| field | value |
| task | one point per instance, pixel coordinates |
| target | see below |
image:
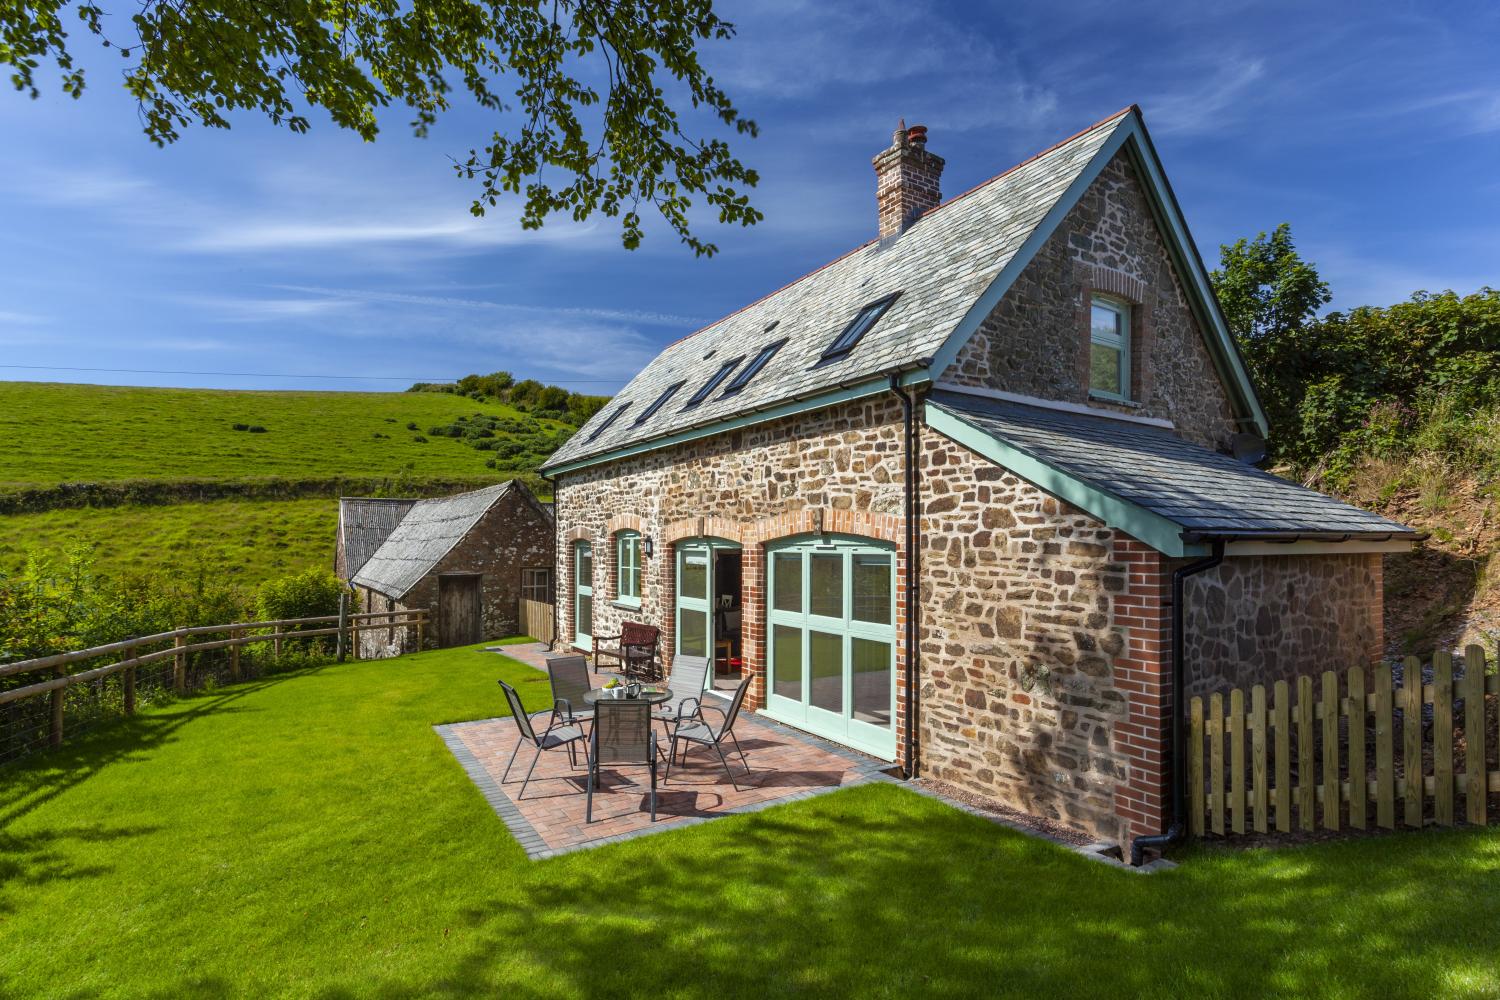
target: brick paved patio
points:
(785, 764)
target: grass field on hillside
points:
(309, 835)
(246, 541)
(85, 433)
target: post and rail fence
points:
(1368, 749)
(180, 651)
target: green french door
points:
(583, 595)
(831, 640)
(695, 594)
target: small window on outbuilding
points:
(661, 401)
(536, 585)
(628, 568)
(1109, 348)
(858, 327)
(713, 383)
(753, 368)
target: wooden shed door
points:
(459, 621)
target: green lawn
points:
(243, 541)
(309, 835)
(89, 433)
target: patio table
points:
(650, 695)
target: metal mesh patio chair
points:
(557, 735)
(686, 681)
(570, 682)
(695, 728)
(622, 736)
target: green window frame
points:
(1109, 348)
(628, 568)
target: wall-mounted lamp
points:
(647, 547)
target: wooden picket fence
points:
(538, 620)
(1345, 753)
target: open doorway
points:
(728, 619)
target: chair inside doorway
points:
(728, 649)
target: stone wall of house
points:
(1023, 636)
(837, 470)
(1036, 340)
(516, 533)
(1261, 619)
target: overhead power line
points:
(357, 378)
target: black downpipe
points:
(556, 563)
(908, 767)
(1157, 841)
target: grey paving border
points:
(520, 827)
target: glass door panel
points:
(583, 595)
(786, 662)
(871, 680)
(692, 631)
(826, 660)
(826, 579)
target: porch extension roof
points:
(1146, 480)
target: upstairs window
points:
(628, 567)
(753, 368)
(609, 420)
(1109, 349)
(661, 400)
(857, 328)
(713, 383)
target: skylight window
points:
(858, 327)
(609, 420)
(661, 400)
(753, 368)
(713, 383)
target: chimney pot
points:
(907, 180)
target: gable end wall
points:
(1035, 341)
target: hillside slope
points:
(57, 433)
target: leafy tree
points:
(1270, 297)
(594, 88)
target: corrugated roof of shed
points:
(425, 535)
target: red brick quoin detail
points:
(1143, 674)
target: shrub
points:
(240, 427)
(256, 429)
(411, 425)
(419, 439)
(310, 594)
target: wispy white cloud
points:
(455, 302)
(314, 233)
(190, 345)
(253, 309)
(1204, 101)
(13, 317)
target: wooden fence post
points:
(354, 639)
(1283, 720)
(1385, 753)
(1307, 790)
(179, 665)
(338, 641)
(1358, 713)
(59, 696)
(421, 620)
(1258, 749)
(1331, 784)
(1195, 766)
(1476, 769)
(1411, 747)
(1442, 738)
(276, 643)
(129, 682)
(234, 655)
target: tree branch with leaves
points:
(595, 93)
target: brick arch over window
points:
(624, 522)
(824, 520)
(702, 527)
(579, 534)
(1136, 293)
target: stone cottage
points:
(935, 496)
(466, 559)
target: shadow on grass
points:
(867, 894)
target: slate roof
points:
(941, 266)
(1206, 493)
(425, 535)
(364, 523)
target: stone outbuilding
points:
(364, 522)
(935, 498)
(466, 559)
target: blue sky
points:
(1373, 129)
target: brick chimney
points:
(906, 180)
